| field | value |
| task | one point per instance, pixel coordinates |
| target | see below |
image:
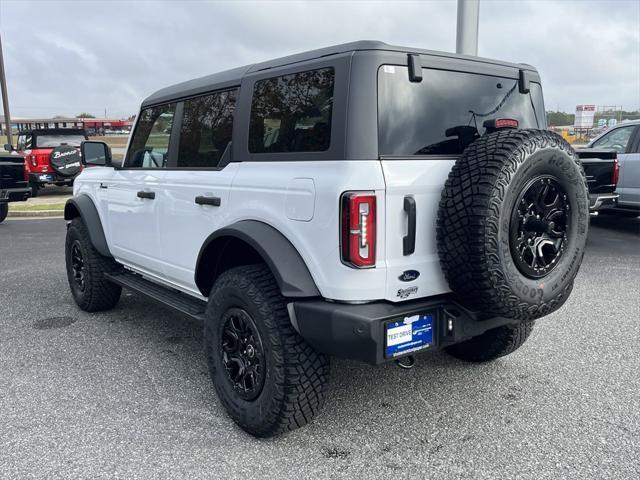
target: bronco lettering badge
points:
(409, 275)
(405, 292)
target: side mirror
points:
(8, 147)
(96, 154)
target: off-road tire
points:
(98, 293)
(35, 189)
(296, 375)
(475, 211)
(4, 211)
(492, 344)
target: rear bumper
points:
(358, 331)
(14, 194)
(602, 201)
(52, 177)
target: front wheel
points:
(4, 211)
(269, 379)
(91, 291)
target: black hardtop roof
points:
(230, 78)
(53, 131)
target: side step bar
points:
(179, 301)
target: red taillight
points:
(358, 229)
(616, 172)
(506, 123)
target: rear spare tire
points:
(65, 160)
(512, 224)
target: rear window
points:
(445, 112)
(292, 113)
(45, 141)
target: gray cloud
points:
(65, 57)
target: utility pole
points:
(5, 98)
(467, 32)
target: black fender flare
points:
(82, 206)
(282, 258)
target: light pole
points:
(467, 32)
(5, 98)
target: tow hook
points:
(407, 362)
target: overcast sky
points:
(63, 58)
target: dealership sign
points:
(584, 116)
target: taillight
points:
(616, 172)
(358, 225)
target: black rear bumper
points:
(14, 194)
(53, 178)
(358, 331)
(602, 201)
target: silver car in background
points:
(624, 138)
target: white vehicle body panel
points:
(261, 191)
(424, 180)
(184, 225)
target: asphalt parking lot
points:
(126, 394)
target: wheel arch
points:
(251, 241)
(83, 207)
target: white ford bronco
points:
(361, 201)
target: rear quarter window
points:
(292, 113)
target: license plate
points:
(409, 335)
(46, 178)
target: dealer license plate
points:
(409, 335)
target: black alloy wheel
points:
(539, 226)
(77, 266)
(242, 353)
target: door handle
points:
(409, 241)
(102, 185)
(213, 201)
(145, 194)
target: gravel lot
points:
(126, 394)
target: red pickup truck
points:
(52, 156)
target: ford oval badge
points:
(409, 275)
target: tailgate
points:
(12, 172)
(599, 167)
(423, 180)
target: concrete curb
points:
(36, 213)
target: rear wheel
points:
(492, 344)
(85, 271)
(267, 377)
(4, 211)
(34, 189)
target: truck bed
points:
(13, 186)
(600, 168)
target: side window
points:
(292, 113)
(150, 143)
(616, 139)
(206, 129)
(24, 142)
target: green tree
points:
(556, 119)
(85, 115)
